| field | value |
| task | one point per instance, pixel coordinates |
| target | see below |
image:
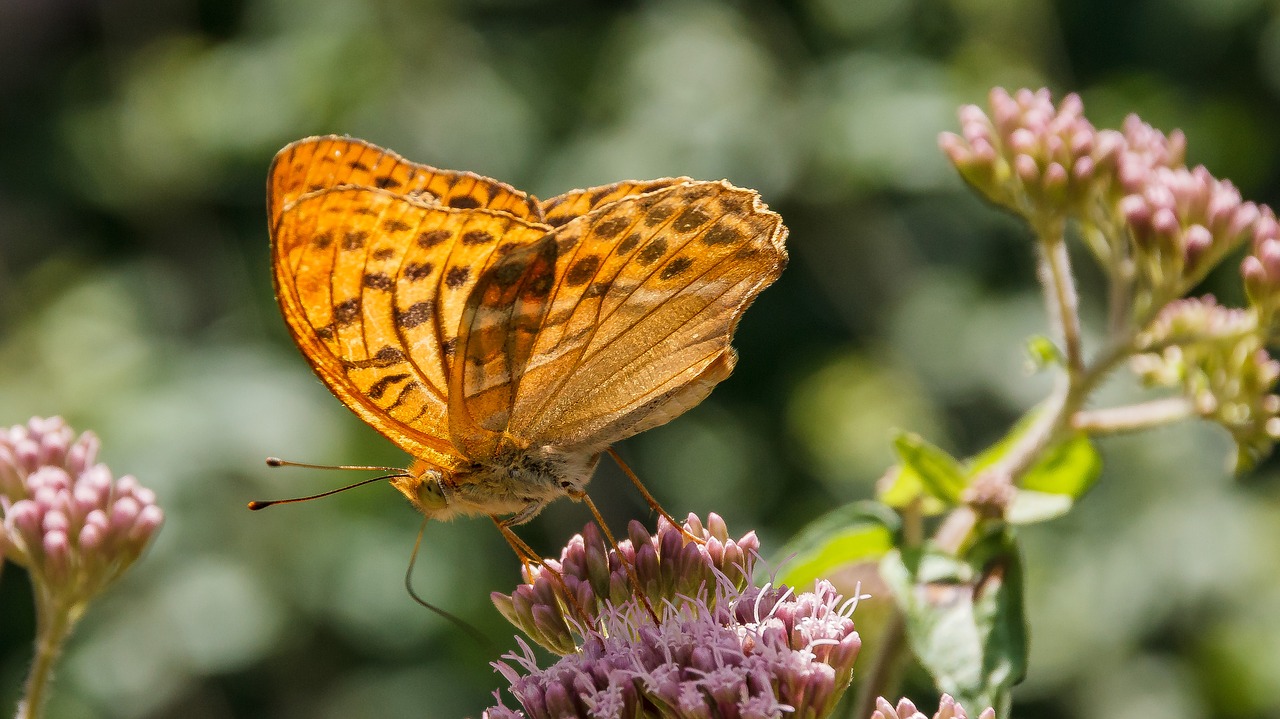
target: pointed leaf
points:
(941, 475)
(901, 486)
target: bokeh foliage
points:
(135, 300)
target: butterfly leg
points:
(531, 509)
(653, 503)
(530, 559)
(631, 572)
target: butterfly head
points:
(424, 486)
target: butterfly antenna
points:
(653, 503)
(257, 504)
(627, 566)
(475, 633)
(277, 462)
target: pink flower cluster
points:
(1036, 159)
(1157, 227)
(65, 518)
(1129, 189)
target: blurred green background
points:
(135, 300)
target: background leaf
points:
(965, 619)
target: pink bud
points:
(144, 495)
(56, 548)
(91, 537)
(1023, 141)
(123, 513)
(55, 521)
(83, 453)
(1082, 170)
(1055, 179)
(1255, 277)
(26, 517)
(1165, 222)
(149, 520)
(28, 453)
(1196, 242)
(1026, 169)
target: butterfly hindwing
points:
(637, 327)
(560, 209)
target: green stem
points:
(54, 622)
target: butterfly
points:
(502, 341)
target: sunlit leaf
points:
(1029, 506)
(902, 486)
(940, 474)
(1070, 468)
(854, 533)
(1043, 352)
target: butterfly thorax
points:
(515, 482)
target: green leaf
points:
(854, 533)
(940, 474)
(964, 617)
(997, 451)
(1044, 353)
(1069, 468)
(902, 486)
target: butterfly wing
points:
(505, 313)
(320, 163)
(636, 327)
(372, 284)
(560, 209)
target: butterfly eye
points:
(431, 492)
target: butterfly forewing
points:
(321, 163)
(649, 289)
(503, 316)
(373, 285)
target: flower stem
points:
(54, 622)
(1133, 417)
(1060, 291)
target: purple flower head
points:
(591, 577)
(947, 709)
(722, 647)
(65, 518)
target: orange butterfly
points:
(503, 341)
